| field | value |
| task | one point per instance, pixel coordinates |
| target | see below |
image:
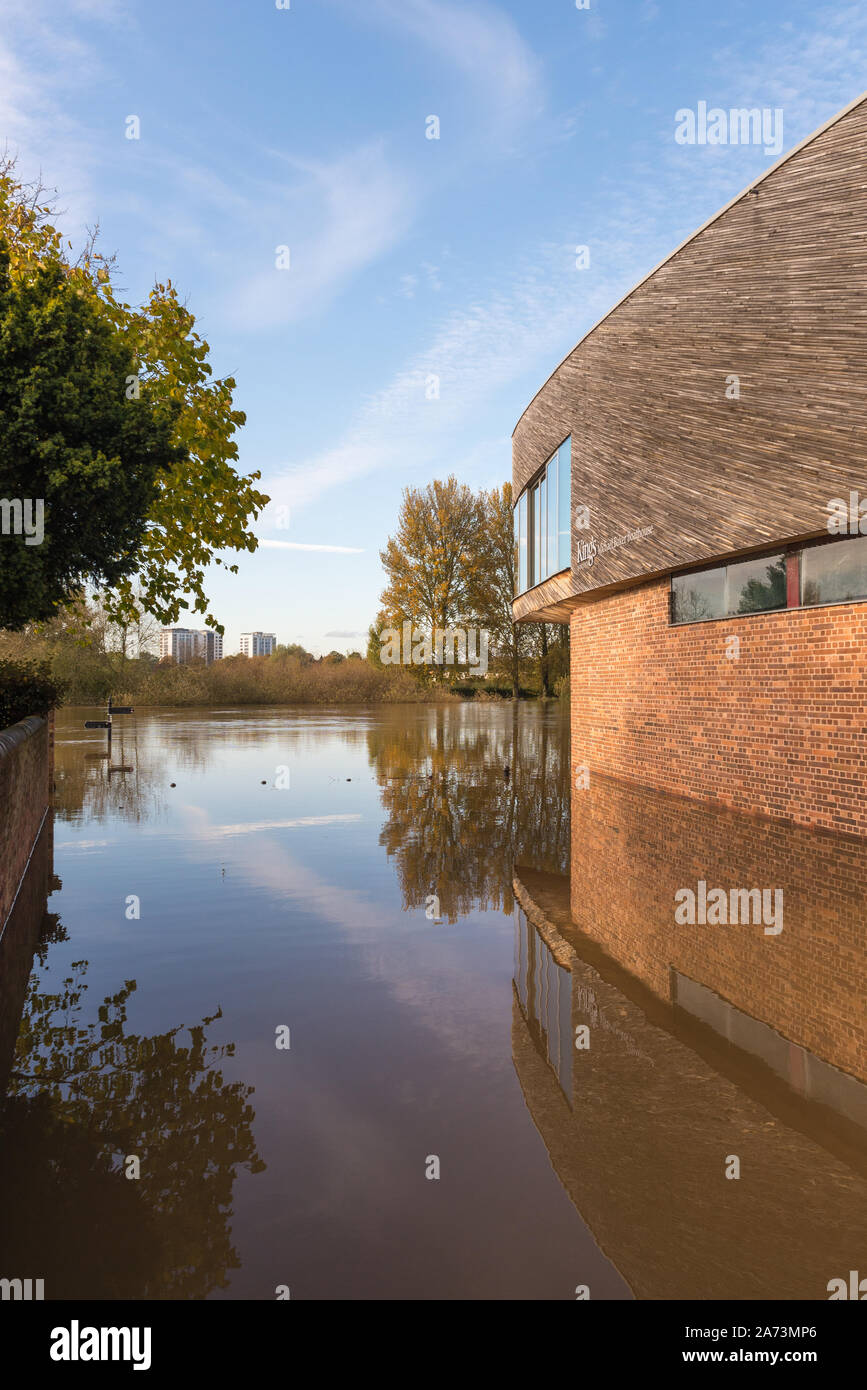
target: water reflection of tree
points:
(456, 824)
(82, 1096)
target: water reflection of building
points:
(544, 989)
(634, 849)
(705, 1043)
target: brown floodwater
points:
(375, 1003)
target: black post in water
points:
(106, 723)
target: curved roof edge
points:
(692, 236)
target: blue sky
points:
(305, 127)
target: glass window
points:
(516, 557)
(537, 551)
(750, 586)
(552, 516)
(756, 586)
(834, 573)
(522, 553)
(543, 523)
(564, 504)
(543, 528)
(695, 597)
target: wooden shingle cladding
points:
(773, 291)
(551, 600)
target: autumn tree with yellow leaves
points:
(433, 558)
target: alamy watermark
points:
(847, 517)
(77, 1343)
(739, 126)
(25, 1290)
(717, 908)
(449, 646)
(23, 516)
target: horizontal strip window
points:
(825, 572)
(543, 522)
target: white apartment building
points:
(257, 643)
(189, 644)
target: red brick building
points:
(691, 497)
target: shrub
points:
(275, 680)
(27, 687)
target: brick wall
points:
(781, 730)
(25, 789)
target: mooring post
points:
(106, 723)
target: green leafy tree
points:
(198, 504)
(84, 460)
(202, 504)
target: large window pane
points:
(537, 550)
(564, 505)
(552, 516)
(543, 529)
(834, 573)
(756, 586)
(522, 554)
(516, 561)
(695, 597)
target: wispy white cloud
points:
(803, 71)
(421, 417)
(297, 545)
(224, 832)
(484, 44)
(336, 218)
(498, 339)
(45, 52)
(810, 73)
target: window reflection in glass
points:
(543, 523)
(834, 573)
(696, 597)
(542, 551)
(757, 586)
(522, 554)
(564, 533)
(552, 515)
